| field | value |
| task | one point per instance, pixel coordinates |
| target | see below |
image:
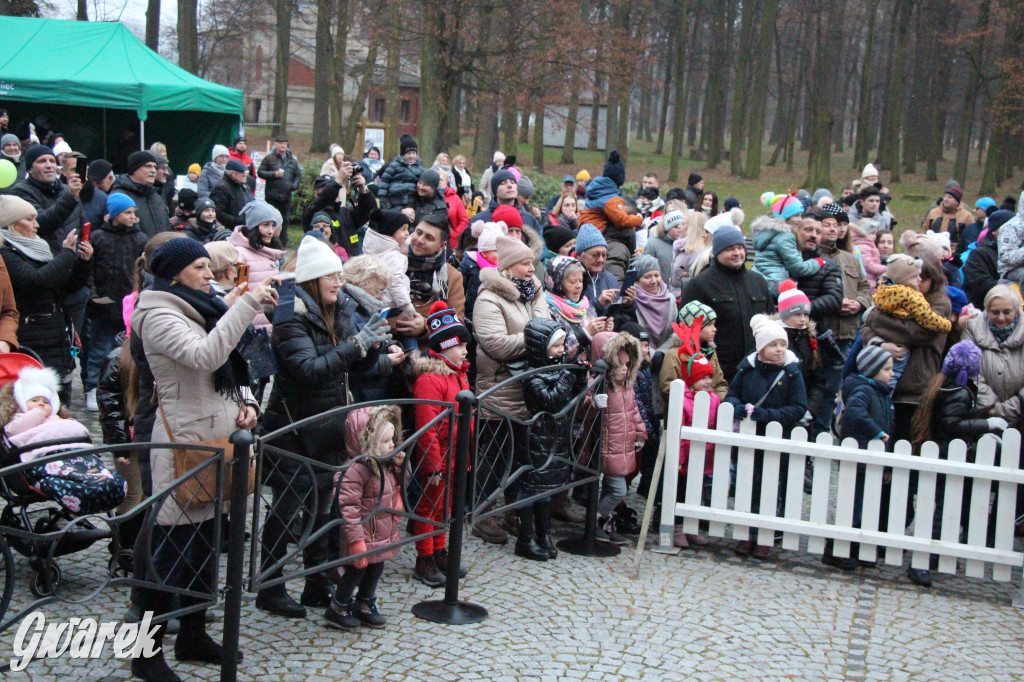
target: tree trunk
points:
(679, 105)
(667, 87)
(819, 161)
(524, 126)
(283, 10)
(767, 11)
(509, 127)
(739, 93)
(862, 145)
(485, 141)
(83, 11)
(611, 128)
(976, 53)
(595, 112)
(538, 135)
(339, 72)
(888, 147)
(392, 106)
(188, 36)
(624, 128)
(569, 145)
(153, 25)
(323, 75)
(992, 174)
(348, 139)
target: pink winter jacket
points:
(621, 424)
(30, 427)
(869, 255)
(262, 263)
(684, 445)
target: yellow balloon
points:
(8, 173)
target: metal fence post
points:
(450, 610)
(242, 442)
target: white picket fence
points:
(830, 518)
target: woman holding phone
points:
(318, 351)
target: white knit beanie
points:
(34, 382)
(767, 330)
(218, 150)
(315, 259)
(487, 235)
(869, 171)
(13, 209)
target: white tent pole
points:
(142, 134)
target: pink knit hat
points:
(792, 301)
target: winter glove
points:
(749, 409)
(820, 261)
(997, 424)
(359, 548)
(373, 333)
(601, 400)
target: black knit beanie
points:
(176, 255)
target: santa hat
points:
(792, 301)
(35, 382)
(444, 328)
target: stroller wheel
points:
(45, 579)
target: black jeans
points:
(183, 556)
(285, 207)
(291, 507)
(364, 578)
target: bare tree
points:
(188, 35)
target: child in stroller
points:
(31, 413)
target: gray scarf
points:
(35, 248)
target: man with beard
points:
(140, 184)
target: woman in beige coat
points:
(509, 297)
(189, 337)
(999, 334)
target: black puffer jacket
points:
(736, 295)
(58, 211)
(312, 378)
(116, 248)
(981, 271)
(38, 288)
(786, 399)
(398, 183)
(150, 207)
(110, 398)
(824, 288)
(280, 188)
(425, 207)
(229, 198)
(804, 345)
(956, 415)
(345, 220)
(545, 395)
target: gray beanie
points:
(725, 238)
(644, 264)
(871, 360)
(258, 212)
(526, 189)
(9, 138)
(431, 178)
(819, 194)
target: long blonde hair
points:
(695, 221)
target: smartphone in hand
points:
(241, 274)
(628, 281)
(83, 235)
(285, 309)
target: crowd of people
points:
(412, 281)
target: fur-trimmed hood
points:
(606, 346)
(363, 428)
(492, 280)
(425, 363)
(8, 407)
(533, 239)
(765, 223)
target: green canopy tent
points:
(109, 93)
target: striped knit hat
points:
(792, 301)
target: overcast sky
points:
(131, 12)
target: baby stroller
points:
(28, 510)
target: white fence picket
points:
(771, 465)
(695, 467)
(670, 474)
(952, 503)
(845, 490)
(871, 501)
(721, 477)
(820, 490)
(898, 493)
(924, 508)
(978, 521)
(1006, 500)
(795, 489)
(744, 480)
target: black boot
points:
(427, 572)
(542, 522)
(526, 544)
(366, 611)
(441, 559)
(849, 563)
(194, 644)
(317, 591)
(155, 668)
(277, 601)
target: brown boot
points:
(489, 530)
(561, 509)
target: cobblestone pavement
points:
(704, 614)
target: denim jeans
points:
(101, 334)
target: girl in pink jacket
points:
(369, 495)
(622, 428)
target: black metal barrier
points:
(503, 451)
(41, 530)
